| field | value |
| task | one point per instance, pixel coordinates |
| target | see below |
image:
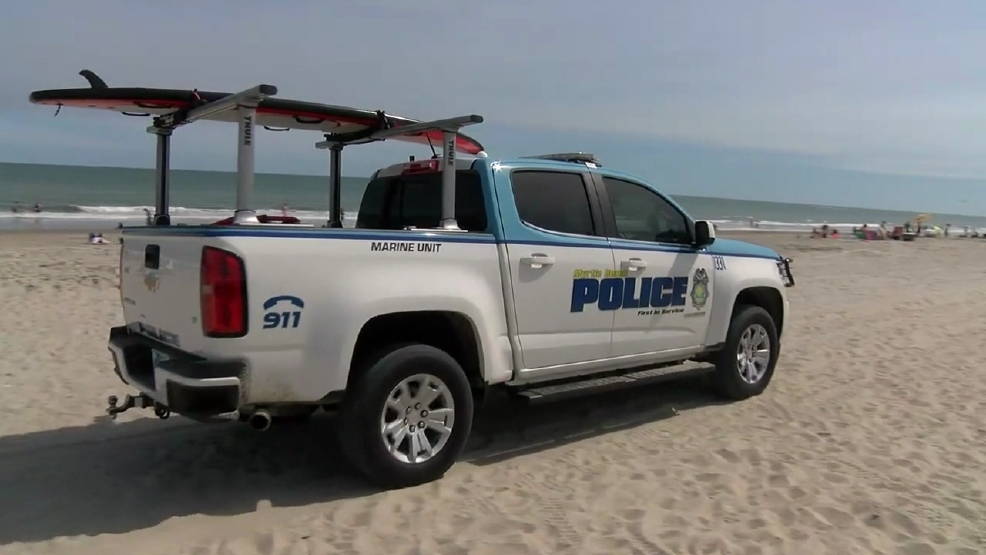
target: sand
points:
(869, 440)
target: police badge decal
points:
(700, 289)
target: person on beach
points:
(148, 218)
(37, 207)
(284, 209)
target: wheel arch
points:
(453, 332)
(767, 298)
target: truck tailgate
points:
(159, 283)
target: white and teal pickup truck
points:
(566, 277)
(547, 276)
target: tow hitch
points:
(139, 401)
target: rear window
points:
(415, 200)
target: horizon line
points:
(368, 177)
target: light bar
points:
(248, 98)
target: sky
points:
(839, 102)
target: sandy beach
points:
(870, 440)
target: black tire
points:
(361, 409)
(727, 380)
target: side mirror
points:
(705, 233)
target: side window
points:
(643, 215)
(556, 201)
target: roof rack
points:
(342, 126)
(573, 157)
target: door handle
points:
(633, 264)
(538, 260)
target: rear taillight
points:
(223, 294)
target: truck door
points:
(557, 256)
(668, 284)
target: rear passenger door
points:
(557, 253)
(668, 283)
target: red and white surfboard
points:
(275, 113)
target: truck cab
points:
(599, 269)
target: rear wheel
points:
(407, 417)
(746, 364)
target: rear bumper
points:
(183, 382)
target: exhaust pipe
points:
(260, 420)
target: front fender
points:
(741, 274)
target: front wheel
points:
(746, 364)
(407, 416)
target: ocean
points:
(83, 197)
